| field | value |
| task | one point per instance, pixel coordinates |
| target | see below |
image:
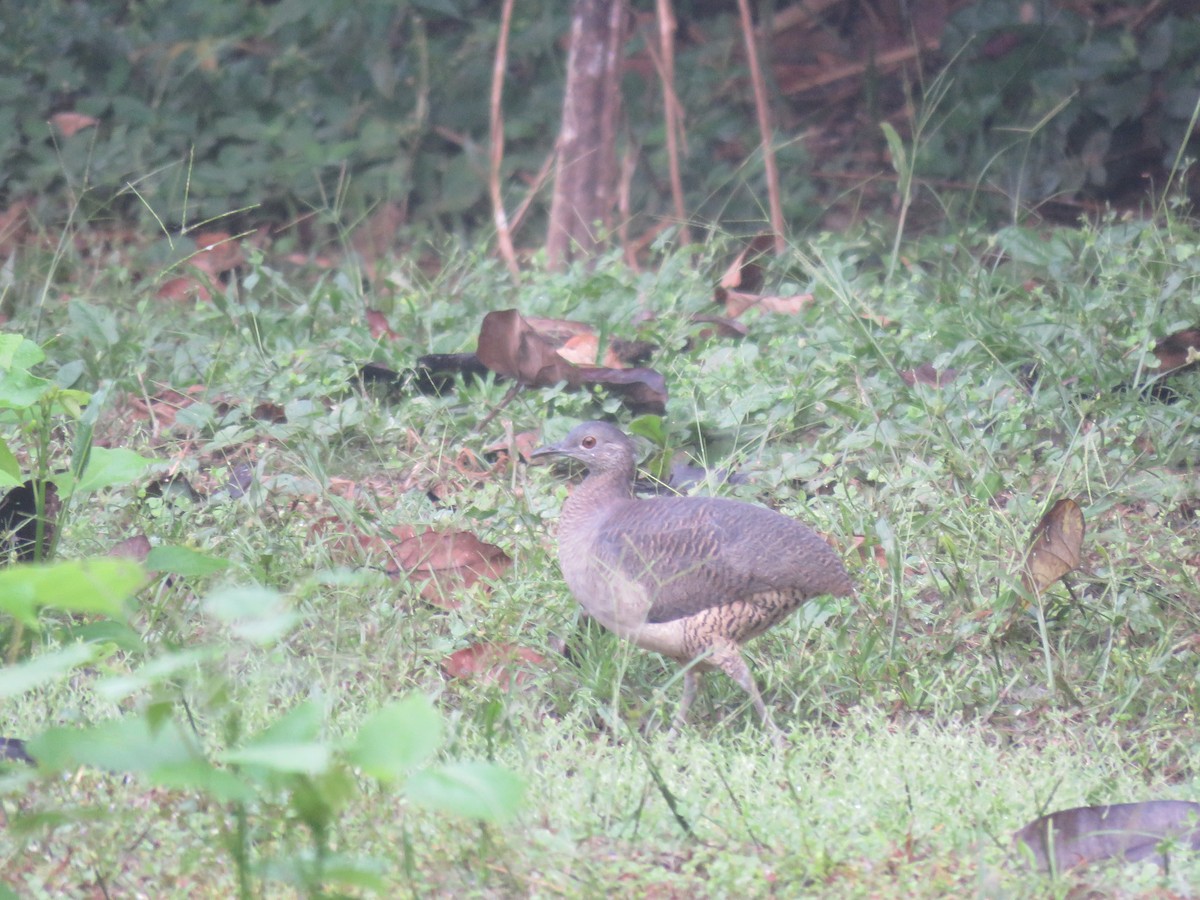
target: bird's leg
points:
(691, 682)
(728, 659)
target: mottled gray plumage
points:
(692, 578)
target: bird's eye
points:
(588, 442)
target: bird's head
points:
(598, 445)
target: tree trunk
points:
(585, 184)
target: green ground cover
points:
(930, 716)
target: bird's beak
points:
(550, 450)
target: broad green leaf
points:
(98, 322)
(302, 723)
(71, 402)
(318, 798)
(126, 744)
(69, 374)
(16, 352)
(46, 667)
(651, 428)
(307, 758)
(100, 585)
(109, 466)
(10, 469)
(20, 390)
(200, 775)
(255, 614)
(107, 631)
(118, 687)
(184, 561)
(336, 869)
(289, 745)
(477, 790)
(397, 738)
(361, 872)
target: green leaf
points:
(289, 745)
(302, 723)
(107, 631)
(46, 667)
(397, 738)
(304, 758)
(118, 687)
(100, 585)
(69, 374)
(895, 148)
(127, 744)
(20, 390)
(477, 790)
(10, 469)
(360, 872)
(201, 775)
(16, 352)
(317, 799)
(110, 466)
(69, 401)
(255, 614)
(651, 428)
(184, 561)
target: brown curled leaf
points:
(1055, 547)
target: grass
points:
(930, 716)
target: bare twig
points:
(889, 59)
(534, 186)
(762, 107)
(624, 205)
(672, 113)
(496, 151)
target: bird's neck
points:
(591, 497)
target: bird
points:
(691, 578)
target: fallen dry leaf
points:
(1179, 351)
(584, 349)
(718, 326)
(558, 331)
(509, 346)
(217, 252)
(379, 326)
(492, 663)
(162, 408)
(1055, 547)
(345, 544)
(523, 443)
(737, 302)
(446, 562)
(136, 548)
(745, 272)
(71, 123)
(927, 374)
(12, 225)
(182, 287)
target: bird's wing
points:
(690, 555)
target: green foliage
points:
(303, 731)
(90, 585)
(208, 108)
(288, 769)
(1046, 102)
(270, 111)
